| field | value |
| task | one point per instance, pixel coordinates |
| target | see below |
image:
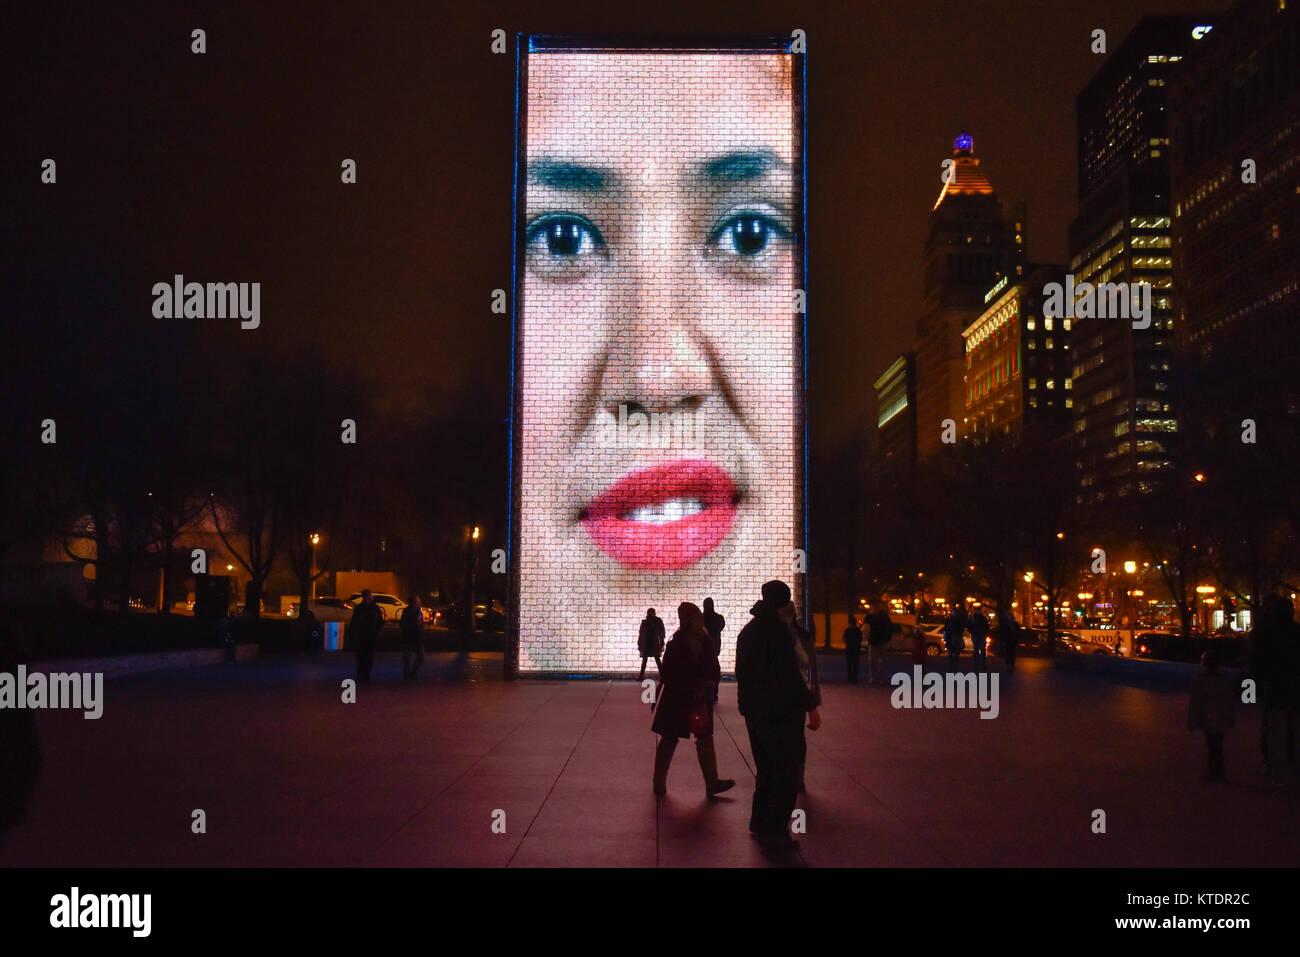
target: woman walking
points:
(691, 675)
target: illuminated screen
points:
(659, 414)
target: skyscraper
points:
(1235, 116)
(970, 244)
(1123, 409)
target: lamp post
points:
(315, 540)
(470, 538)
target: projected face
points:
(660, 351)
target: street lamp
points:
(470, 539)
(315, 540)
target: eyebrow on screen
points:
(741, 166)
(561, 174)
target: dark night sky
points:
(226, 166)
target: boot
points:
(709, 765)
(663, 758)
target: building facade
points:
(971, 243)
(896, 421)
(1124, 416)
(1018, 368)
(1235, 176)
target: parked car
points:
(390, 606)
(932, 635)
(453, 616)
(327, 608)
(1084, 644)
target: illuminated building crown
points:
(965, 178)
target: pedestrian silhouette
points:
(714, 623)
(952, 633)
(979, 635)
(773, 699)
(1008, 636)
(685, 706)
(21, 759)
(852, 649)
(881, 630)
(412, 627)
(805, 650)
(1212, 709)
(364, 628)
(1275, 666)
(650, 641)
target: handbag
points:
(699, 719)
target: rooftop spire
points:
(963, 176)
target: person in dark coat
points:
(412, 626)
(773, 699)
(650, 641)
(685, 705)
(1212, 709)
(21, 757)
(805, 649)
(714, 623)
(1008, 636)
(364, 628)
(979, 636)
(1275, 666)
(881, 630)
(952, 633)
(852, 648)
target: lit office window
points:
(1047, 323)
(1051, 383)
(1033, 383)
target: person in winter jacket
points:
(1212, 710)
(953, 630)
(685, 704)
(364, 628)
(774, 700)
(650, 641)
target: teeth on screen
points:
(673, 510)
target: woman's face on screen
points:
(660, 364)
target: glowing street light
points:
(1130, 567)
(315, 540)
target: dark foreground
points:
(414, 774)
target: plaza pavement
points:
(412, 774)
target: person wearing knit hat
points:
(773, 699)
(685, 704)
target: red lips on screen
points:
(663, 518)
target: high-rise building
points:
(971, 243)
(1235, 117)
(896, 421)
(1123, 410)
(1018, 365)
